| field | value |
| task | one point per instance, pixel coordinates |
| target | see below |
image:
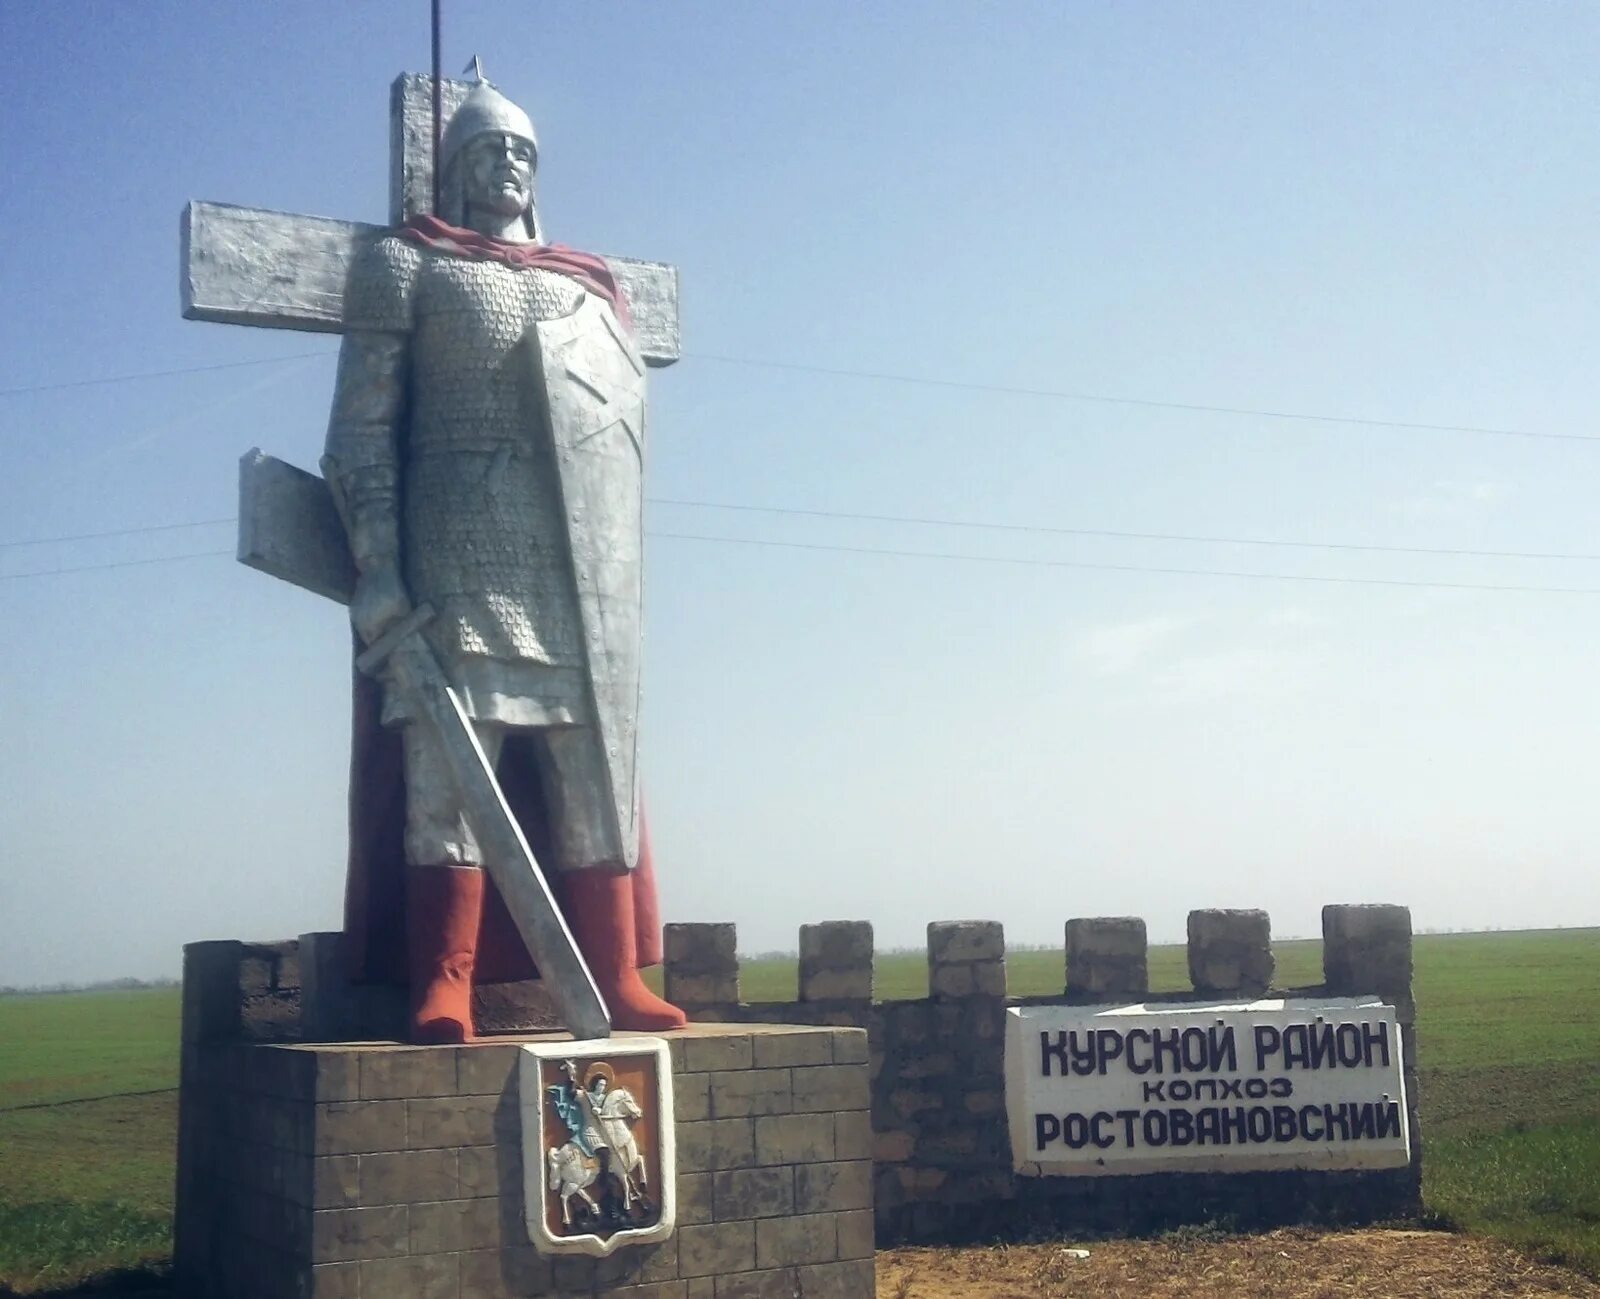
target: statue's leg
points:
(444, 892)
(591, 880)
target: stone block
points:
(695, 1204)
(335, 1281)
(651, 1290)
(697, 990)
(359, 1127)
(1230, 950)
(965, 940)
(831, 1087)
(715, 1144)
(717, 1248)
(485, 1069)
(408, 1072)
(737, 1093)
(348, 1235)
(833, 1187)
(854, 1279)
(857, 1234)
(701, 948)
(510, 1273)
(783, 1050)
(490, 1170)
(330, 1005)
(338, 1074)
(1367, 949)
(335, 1182)
(796, 1239)
(768, 1283)
(428, 1276)
(451, 1121)
(952, 981)
(852, 1134)
(408, 1176)
(850, 1046)
(793, 1138)
(211, 998)
(753, 1193)
(450, 1226)
(691, 1096)
(836, 961)
(627, 1271)
(893, 1147)
(717, 1052)
(1107, 956)
(704, 1287)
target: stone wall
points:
(940, 1143)
(370, 1171)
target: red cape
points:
(589, 270)
(375, 895)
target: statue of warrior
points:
(486, 448)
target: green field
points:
(1509, 1031)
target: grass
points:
(86, 1183)
(1510, 1097)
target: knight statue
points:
(486, 449)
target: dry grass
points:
(1290, 1264)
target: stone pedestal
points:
(375, 1171)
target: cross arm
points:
(251, 266)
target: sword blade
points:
(507, 857)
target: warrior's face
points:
(498, 173)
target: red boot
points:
(443, 907)
(598, 905)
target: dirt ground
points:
(1291, 1264)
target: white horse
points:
(570, 1172)
(614, 1115)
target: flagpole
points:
(438, 105)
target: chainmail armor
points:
(482, 536)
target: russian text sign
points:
(1169, 1087)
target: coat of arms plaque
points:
(599, 1162)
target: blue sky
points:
(1347, 209)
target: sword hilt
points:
(377, 654)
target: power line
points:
(950, 556)
(883, 376)
(115, 532)
(937, 522)
(1146, 403)
(156, 374)
(1124, 536)
(1127, 568)
(121, 563)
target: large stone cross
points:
(250, 266)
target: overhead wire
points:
(949, 556)
(156, 374)
(942, 522)
(885, 376)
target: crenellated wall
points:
(942, 1165)
(941, 1146)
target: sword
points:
(510, 862)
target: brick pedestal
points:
(361, 1171)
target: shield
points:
(592, 378)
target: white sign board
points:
(1168, 1087)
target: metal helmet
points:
(483, 111)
